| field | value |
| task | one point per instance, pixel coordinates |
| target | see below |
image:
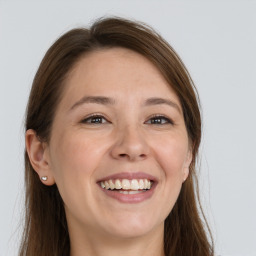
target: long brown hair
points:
(46, 232)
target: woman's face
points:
(119, 126)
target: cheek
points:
(72, 154)
(73, 165)
(172, 156)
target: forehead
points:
(115, 72)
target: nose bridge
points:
(130, 143)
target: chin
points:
(134, 227)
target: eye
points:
(159, 120)
(94, 119)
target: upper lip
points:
(129, 176)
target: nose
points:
(130, 145)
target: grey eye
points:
(159, 120)
(96, 119)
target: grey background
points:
(215, 39)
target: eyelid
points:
(169, 120)
(94, 115)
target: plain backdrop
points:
(215, 39)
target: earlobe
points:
(185, 174)
(187, 165)
(36, 150)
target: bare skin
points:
(137, 129)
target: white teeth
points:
(102, 184)
(118, 184)
(107, 185)
(130, 192)
(147, 182)
(112, 185)
(141, 184)
(126, 184)
(134, 185)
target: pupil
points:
(96, 120)
(156, 121)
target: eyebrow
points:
(94, 99)
(110, 101)
(160, 101)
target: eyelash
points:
(158, 117)
(100, 116)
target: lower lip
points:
(130, 198)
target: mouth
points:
(128, 187)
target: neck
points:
(98, 244)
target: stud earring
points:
(44, 178)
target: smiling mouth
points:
(125, 186)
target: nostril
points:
(131, 156)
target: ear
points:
(37, 153)
(187, 164)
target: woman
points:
(112, 135)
